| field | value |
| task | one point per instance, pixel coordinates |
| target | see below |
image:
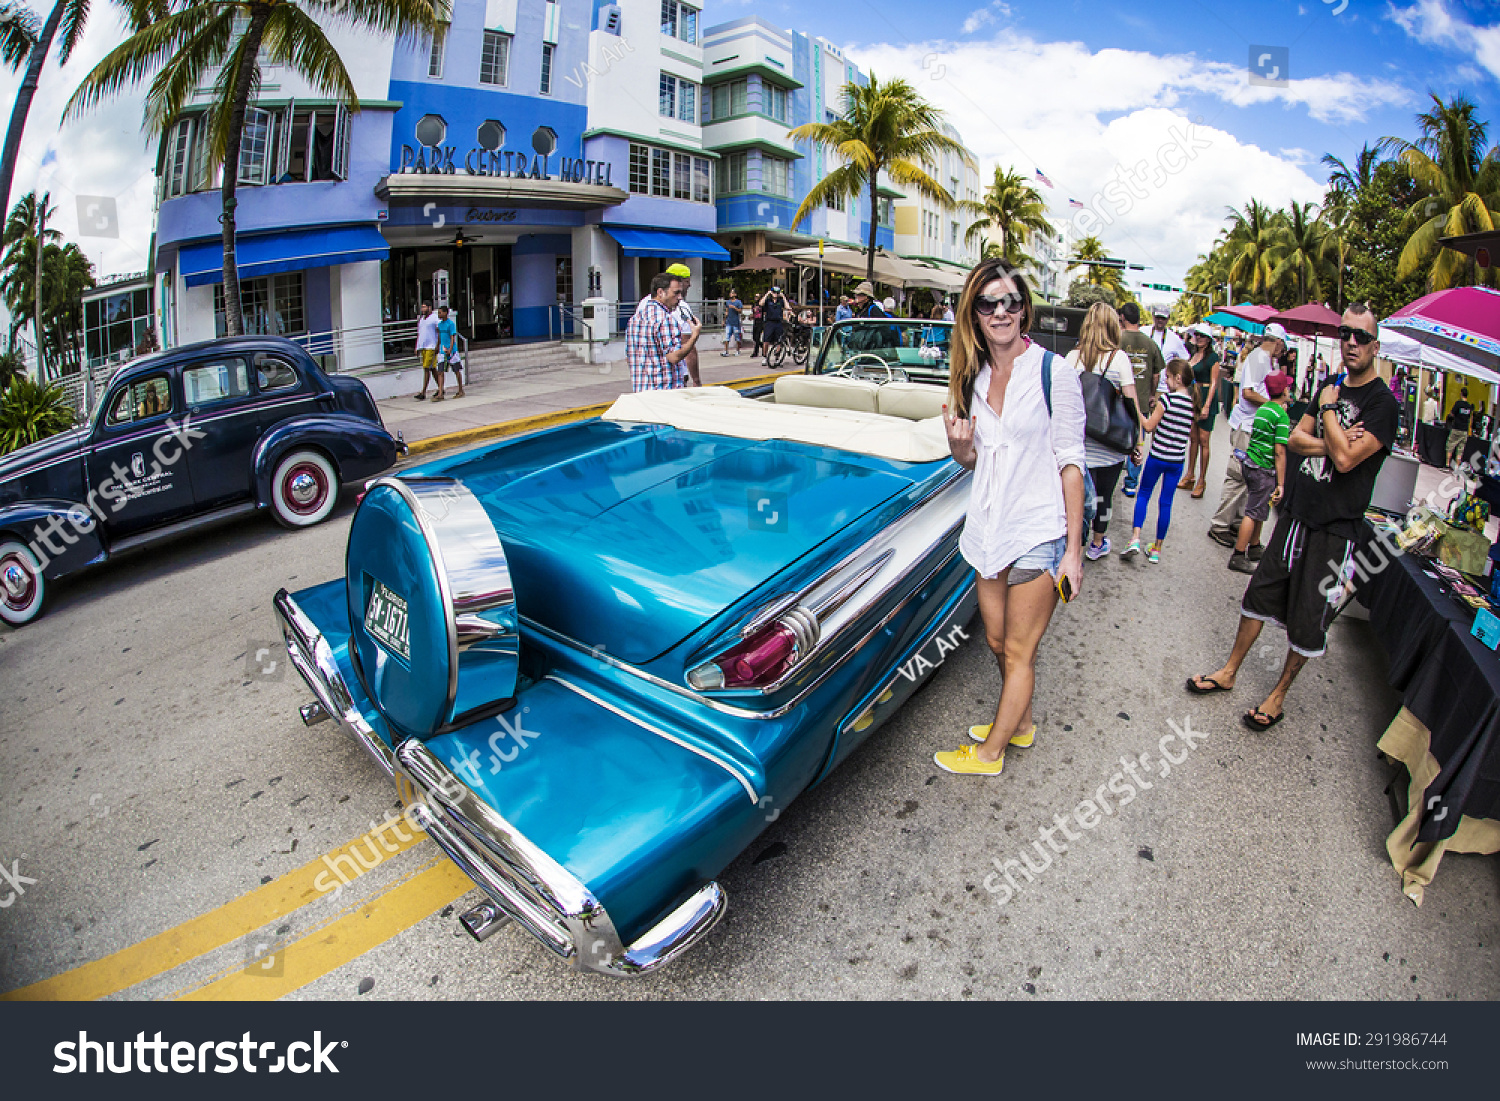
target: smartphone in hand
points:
(1065, 588)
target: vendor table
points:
(1432, 443)
(1447, 732)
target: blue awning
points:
(292, 250)
(667, 244)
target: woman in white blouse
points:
(1024, 531)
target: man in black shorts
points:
(1306, 575)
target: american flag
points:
(1075, 203)
(1042, 176)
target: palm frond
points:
(19, 31)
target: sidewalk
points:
(534, 396)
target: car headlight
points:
(435, 630)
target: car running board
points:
(208, 519)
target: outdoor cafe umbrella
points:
(764, 262)
(1462, 320)
(1230, 321)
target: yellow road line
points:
(520, 425)
(235, 919)
(306, 960)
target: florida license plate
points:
(385, 620)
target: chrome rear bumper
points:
(539, 894)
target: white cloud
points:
(1433, 24)
(1085, 117)
(983, 17)
(1297, 156)
(101, 154)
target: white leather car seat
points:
(915, 401)
(828, 392)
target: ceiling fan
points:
(459, 240)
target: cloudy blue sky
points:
(1145, 111)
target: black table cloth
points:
(1447, 678)
(1432, 444)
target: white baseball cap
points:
(1275, 331)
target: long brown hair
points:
(968, 350)
(1100, 336)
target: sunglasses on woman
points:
(1359, 336)
(985, 304)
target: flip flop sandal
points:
(1256, 719)
(1200, 690)
(1198, 490)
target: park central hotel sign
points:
(489, 157)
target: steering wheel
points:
(855, 367)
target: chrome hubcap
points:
(17, 581)
(303, 488)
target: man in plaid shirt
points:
(655, 346)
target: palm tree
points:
(1091, 248)
(1013, 209)
(22, 263)
(20, 40)
(885, 128)
(1250, 246)
(1300, 251)
(1450, 162)
(222, 45)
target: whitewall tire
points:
(23, 590)
(304, 489)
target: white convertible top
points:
(721, 411)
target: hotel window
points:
(836, 202)
(640, 170)
(565, 279)
(547, 50)
(256, 146)
(494, 62)
(885, 213)
(682, 176)
(677, 98)
(774, 99)
(775, 175)
(953, 233)
(733, 172)
(679, 21)
(661, 172)
(702, 190)
(728, 99)
(177, 170)
(435, 54)
(272, 305)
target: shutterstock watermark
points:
(122, 487)
(1127, 186)
(1133, 778)
(1270, 66)
(98, 216)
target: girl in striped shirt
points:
(1171, 426)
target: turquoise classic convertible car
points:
(598, 659)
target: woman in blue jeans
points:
(1171, 426)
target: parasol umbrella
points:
(1230, 321)
(1464, 321)
(764, 262)
(1313, 319)
(1258, 314)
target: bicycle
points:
(796, 339)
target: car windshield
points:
(882, 349)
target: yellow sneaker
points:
(1020, 741)
(965, 761)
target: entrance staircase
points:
(486, 362)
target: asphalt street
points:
(160, 790)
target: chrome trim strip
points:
(660, 733)
(538, 893)
(312, 657)
(718, 705)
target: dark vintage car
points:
(597, 660)
(192, 436)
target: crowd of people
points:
(1041, 439)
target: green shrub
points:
(30, 411)
(12, 366)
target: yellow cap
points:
(682, 271)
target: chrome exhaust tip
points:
(312, 713)
(483, 920)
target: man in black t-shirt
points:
(1460, 424)
(1306, 575)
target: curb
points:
(542, 420)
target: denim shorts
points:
(1043, 558)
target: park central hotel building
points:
(531, 153)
